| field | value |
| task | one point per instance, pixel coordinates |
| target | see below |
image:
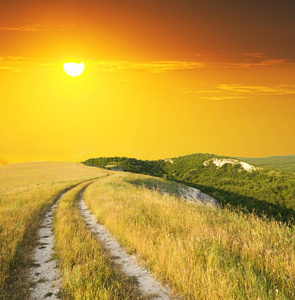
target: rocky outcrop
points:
(219, 162)
(192, 194)
(169, 160)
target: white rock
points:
(219, 162)
(192, 194)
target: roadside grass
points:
(27, 191)
(87, 270)
(158, 184)
(202, 252)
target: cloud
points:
(164, 66)
(38, 27)
(279, 90)
(236, 91)
(19, 58)
(187, 91)
(246, 64)
(17, 63)
(254, 54)
(222, 98)
(147, 66)
(152, 66)
(9, 69)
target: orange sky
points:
(162, 78)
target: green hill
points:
(267, 192)
(283, 163)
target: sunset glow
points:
(162, 79)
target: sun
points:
(74, 69)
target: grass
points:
(26, 192)
(87, 270)
(203, 253)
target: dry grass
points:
(87, 270)
(204, 253)
(26, 193)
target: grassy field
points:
(203, 253)
(26, 193)
(87, 270)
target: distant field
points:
(283, 163)
(201, 252)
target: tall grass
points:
(204, 253)
(86, 268)
(26, 193)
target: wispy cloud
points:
(164, 66)
(152, 66)
(149, 66)
(247, 64)
(19, 58)
(236, 91)
(18, 63)
(247, 54)
(187, 91)
(37, 27)
(9, 69)
(279, 90)
(222, 98)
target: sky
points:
(162, 78)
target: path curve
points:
(148, 286)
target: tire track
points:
(148, 286)
(45, 274)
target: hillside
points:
(283, 163)
(58, 219)
(267, 192)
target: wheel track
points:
(147, 284)
(45, 275)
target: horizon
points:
(161, 79)
(139, 158)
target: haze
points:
(162, 79)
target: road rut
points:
(148, 286)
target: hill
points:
(283, 163)
(182, 244)
(267, 192)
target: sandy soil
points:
(148, 286)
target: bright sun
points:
(74, 69)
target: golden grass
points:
(86, 268)
(26, 193)
(204, 253)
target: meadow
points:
(201, 252)
(204, 253)
(87, 270)
(26, 192)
